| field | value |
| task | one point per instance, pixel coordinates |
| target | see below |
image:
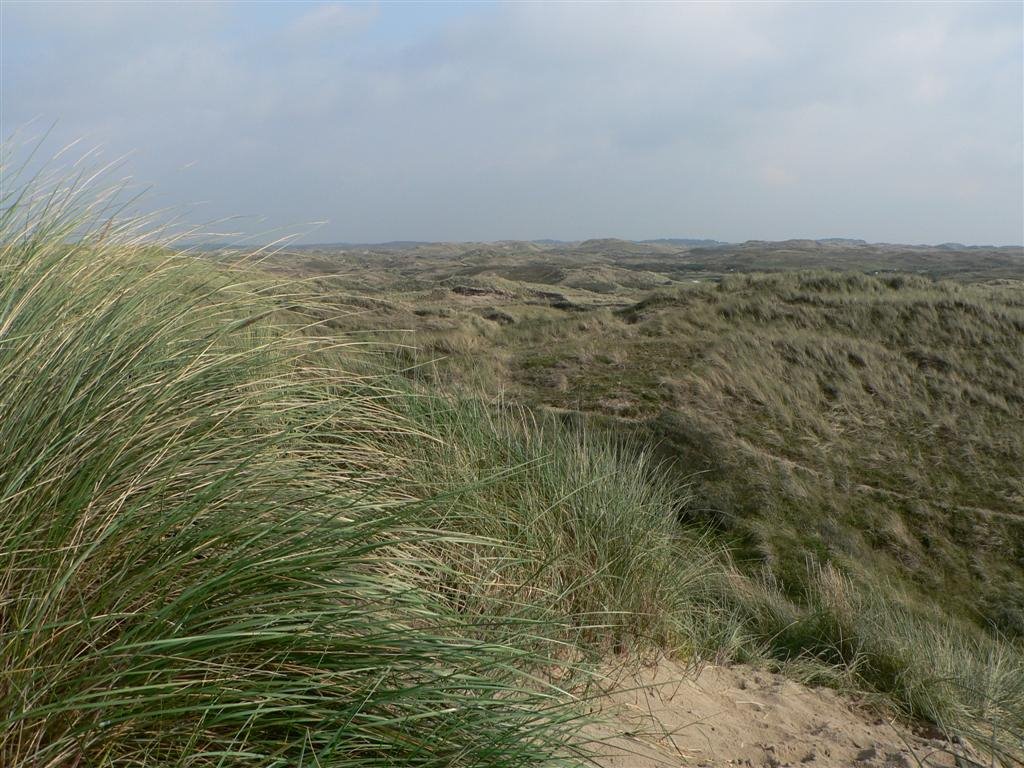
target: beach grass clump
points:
(571, 525)
(199, 562)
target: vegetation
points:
(591, 524)
(596, 526)
(853, 440)
(874, 423)
(199, 561)
(231, 535)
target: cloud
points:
(329, 21)
(889, 122)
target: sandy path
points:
(666, 715)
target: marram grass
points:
(595, 524)
(211, 553)
(198, 557)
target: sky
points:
(369, 122)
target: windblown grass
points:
(595, 524)
(572, 527)
(199, 564)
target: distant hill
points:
(751, 255)
(842, 241)
(685, 241)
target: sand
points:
(665, 714)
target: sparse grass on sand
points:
(595, 525)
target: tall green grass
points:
(199, 562)
(569, 526)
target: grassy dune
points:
(854, 442)
(230, 537)
(873, 423)
(596, 527)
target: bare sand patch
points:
(665, 714)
